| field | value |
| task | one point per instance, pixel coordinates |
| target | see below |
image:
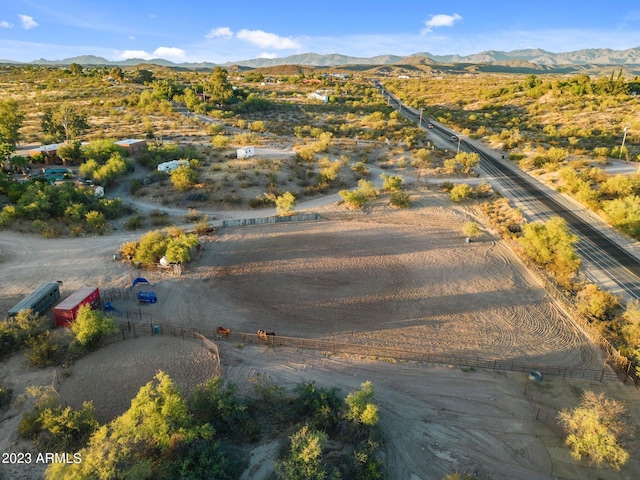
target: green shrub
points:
(45, 350)
(391, 183)
(89, 327)
(134, 223)
(400, 199)
(460, 192)
(353, 199)
(471, 230)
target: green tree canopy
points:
(391, 183)
(219, 87)
(594, 429)
(183, 178)
(10, 123)
(550, 244)
(136, 444)
(285, 203)
(305, 456)
(360, 406)
(90, 326)
(63, 123)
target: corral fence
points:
(623, 367)
(242, 222)
(548, 416)
(381, 353)
(128, 330)
(124, 314)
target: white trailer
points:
(245, 152)
(172, 165)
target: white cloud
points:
(268, 55)
(160, 52)
(224, 32)
(169, 52)
(267, 40)
(134, 54)
(5, 24)
(441, 20)
(27, 22)
(131, 37)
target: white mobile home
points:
(172, 165)
(245, 152)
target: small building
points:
(39, 300)
(66, 311)
(321, 95)
(131, 145)
(245, 152)
(49, 152)
(169, 167)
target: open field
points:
(396, 278)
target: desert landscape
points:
(396, 278)
(379, 281)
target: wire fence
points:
(128, 330)
(300, 217)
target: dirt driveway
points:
(395, 278)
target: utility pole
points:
(420, 123)
(459, 140)
(624, 137)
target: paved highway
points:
(604, 260)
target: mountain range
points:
(592, 56)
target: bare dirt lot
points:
(386, 277)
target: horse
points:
(223, 332)
(265, 335)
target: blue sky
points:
(232, 30)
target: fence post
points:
(122, 331)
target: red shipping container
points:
(65, 312)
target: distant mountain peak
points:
(592, 56)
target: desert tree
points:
(70, 151)
(551, 245)
(219, 87)
(75, 69)
(64, 123)
(391, 183)
(11, 119)
(460, 192)
(624, 214)
(594, 429)
(631, 327)
(138, 443)
(471, 230)
(285, 203)
(360, 406)
(597, 304)
(183, 178)
(304, 461)
(179, 248)
(90, 326)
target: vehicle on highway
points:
(454, 138)
(430, 125)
